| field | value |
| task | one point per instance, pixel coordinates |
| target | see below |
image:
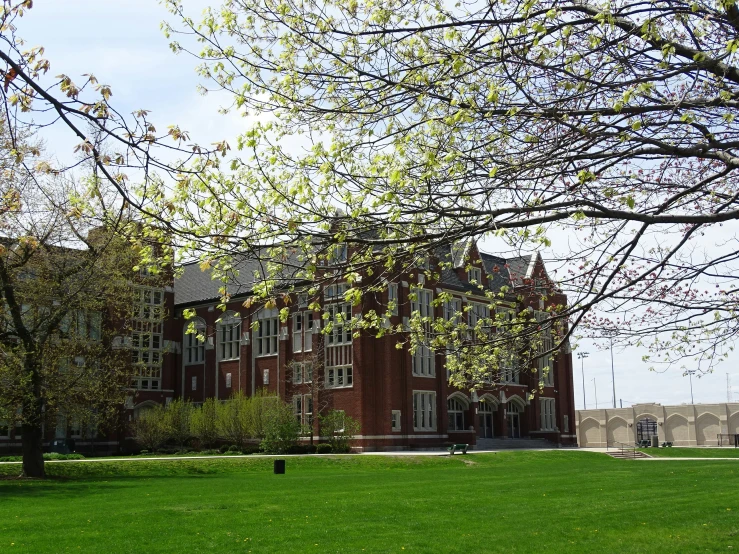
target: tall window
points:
(392, 298)
(424, 411)
(146, 338)
(267, 332)
(423, 357)
(303, 332)
(545, 362)
(298, 408)
(229, 332)
(453, 309)
(508, 371)
(338, 344)
(455, 412)
(547, 414)
(477, 313)
(194, 347)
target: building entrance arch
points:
(646, 428)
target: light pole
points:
(582, 356)
(690, 373)
(595, 388)
(610, 334)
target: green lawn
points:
(681, 452)
(505, 502)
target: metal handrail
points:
(624, 448)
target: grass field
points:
(680, 452)
(505, 502)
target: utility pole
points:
(582, 356)
(690, 373)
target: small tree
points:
(233, 419)
(339, 428)
(257, 416)
(312, 385)
(281, 430)
(178, 416)
(151, 428)
(204, 423)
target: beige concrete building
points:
(684, 425)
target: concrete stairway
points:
(628, 455)
(504, 444)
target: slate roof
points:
(194, 285)
(518, 267)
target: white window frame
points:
(307, 372)
(455, 406)
(307, 409)
(424, 410)
(395, 422)
(392, 298)
(302, 331)
(267, 334)
(229, 337)
(423, 359)
(194, 348)
(474, 274)
(338, 347)
(298, 408)
(547, 413)
(297, 373)
(478, 311)
(228, 380)
(147, 338)
(545, 361)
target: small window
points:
(395, 420)
(265, 377)
(194, 383)
(392, 298)
(474, 275)
(228, 380)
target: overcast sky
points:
(120, 42)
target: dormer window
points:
(422, 263)
(474, 275)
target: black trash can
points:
(279, 467)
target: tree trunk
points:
(33, 450)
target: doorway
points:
(513, 420)
(485, 411)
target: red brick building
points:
(401, 400)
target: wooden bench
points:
(666, 444)
(645, 443)
(461, 447)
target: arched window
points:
(194, 348)
(513, 408)
(455, 411)
(229, 330)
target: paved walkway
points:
(396, 453)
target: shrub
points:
(57, 456)
(251, 449)
(281, 428)
(233, 418)
(178, 416)
(323, 448)
(203, 423)
(340, 430)
(234, 448)
(150, 428)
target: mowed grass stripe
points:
(505, 502)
